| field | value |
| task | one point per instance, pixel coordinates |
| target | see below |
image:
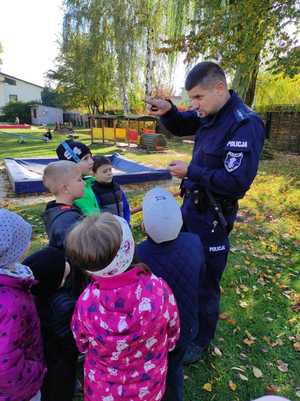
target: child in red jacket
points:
(126, 320)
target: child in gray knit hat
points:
(21, 358)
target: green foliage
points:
(272, 90)
(52, 98)
(108, 52)
(20, 109)
(242, 35)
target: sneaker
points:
(193, 354)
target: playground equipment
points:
(128, 129)
(25, 175)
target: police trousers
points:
(216, 248)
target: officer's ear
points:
(220, 87)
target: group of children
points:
(129, 311)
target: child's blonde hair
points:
(94, 242)
(57, 174)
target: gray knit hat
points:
(15, 235)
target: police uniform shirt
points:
(227, 147)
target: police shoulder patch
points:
(233, 161)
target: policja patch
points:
(233, 161)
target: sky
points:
(29, 30)
(29, 33)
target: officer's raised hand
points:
(178, 168)
(157, 106)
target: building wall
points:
(46, 115)
(24, 91)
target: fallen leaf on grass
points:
(297, 346)
(243, 304)
(232, 385)
(257, 372)
(217, 351)
(237, 368)
(271, 389)
(248, 341)
(249, 335)
(224, 316)
(185, 377)
(243, 377)
(282, 366)
(207, 387)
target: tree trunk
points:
(244, 82)
(125, 100)
(149, 64)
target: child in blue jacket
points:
(178, 258)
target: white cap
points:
(161, 215)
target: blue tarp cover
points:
(25, 175)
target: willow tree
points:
(86, 64)
(243, 35)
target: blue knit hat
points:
(15, 235)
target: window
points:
(10, 81)
(13, 98)
(34, 113)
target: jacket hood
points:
(17, 276)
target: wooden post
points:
(102, 125)
(115, 135)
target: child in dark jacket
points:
(178, 258)
(21, 355)
(63, 180)
(55, 307)
(109, 194)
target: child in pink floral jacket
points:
(126, 320)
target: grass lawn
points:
(256, 349)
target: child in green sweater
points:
(79, 153)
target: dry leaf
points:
(243, 377)
(232, 385)
(282, 366)
(207, 387)
(248, 341)
(217, 351)
(239, 369)
(185, 377)
(257, 372)
(243, 304)
(297, 346)
(249, 335)
(272, 389)
(224, 316)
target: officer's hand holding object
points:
(178, 168)
(157, 106)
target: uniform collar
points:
(228, 106)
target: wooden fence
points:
(283, 130)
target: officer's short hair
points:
(205, 74)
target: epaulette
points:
(241, 114)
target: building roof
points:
(19, 79)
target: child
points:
(79, 153)
(63, 180)
(109, 195)
(21, 358)
(126, 320)
(178, 258)
(55, 307)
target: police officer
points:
(229, 138)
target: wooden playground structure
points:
(132, 129)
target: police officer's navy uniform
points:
(224, 164)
